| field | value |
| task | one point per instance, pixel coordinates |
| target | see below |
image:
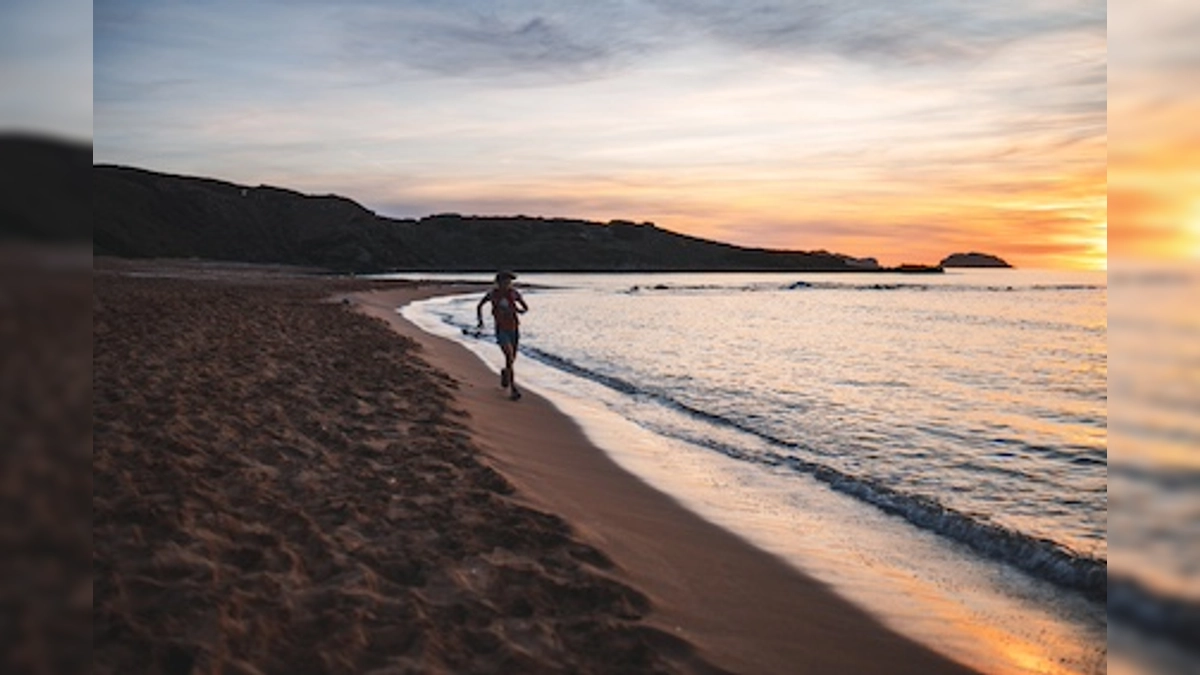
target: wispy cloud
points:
(884, 32)
(529, 41)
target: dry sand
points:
(280, 487)
(284, 485)
(45, 459)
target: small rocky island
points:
(973, 259)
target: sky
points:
(46, 67)
(1154, 152)
(899, 129)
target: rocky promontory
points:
(973, 259)
(144, 214)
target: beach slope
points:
(747, 610)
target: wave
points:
(1039, 557)
(1128, 601)
(1133, 603)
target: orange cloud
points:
(1154, 165)
(1154, 204)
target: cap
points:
(505, 275)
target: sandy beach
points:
(289, 477)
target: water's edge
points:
(1080, 621)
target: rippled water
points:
(973, 405)
(1154, 473)
(984, 392)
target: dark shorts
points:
(508, 337)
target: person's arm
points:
(520, 303)
(479, 309)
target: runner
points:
(507, 303)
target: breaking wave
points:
(1039, 557)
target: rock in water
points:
(973, 260)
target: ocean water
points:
(1154, 469)
(933, 446)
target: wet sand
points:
(289, 482)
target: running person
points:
(507, 303)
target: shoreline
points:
(745, 609)
(285, 484)
(937, 592)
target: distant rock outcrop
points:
(973, 259)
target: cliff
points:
(140, 213)
(45, 190)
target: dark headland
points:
(144, 214)
(973, 259)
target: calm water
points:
(1154, 471)
(933, 446)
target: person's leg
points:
(504, 341)
(508, 344)
(510, 357)
(509, 353)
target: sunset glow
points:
(1154, 155)
(756, 123)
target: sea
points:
(934, 446)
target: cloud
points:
(530, 40)
(491, 44)
(899, 32)
(582, 40)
